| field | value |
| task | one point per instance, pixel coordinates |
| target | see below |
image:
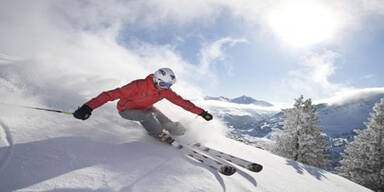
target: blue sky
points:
(270, 50)
(258, 67)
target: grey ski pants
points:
(154, 121)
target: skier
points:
(136, 103)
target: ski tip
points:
(255, 167)
(227, 170)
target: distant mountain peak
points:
(241, 100)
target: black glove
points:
(207, 116)
(83, 112)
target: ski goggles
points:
(164, 85)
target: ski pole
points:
(42, 109)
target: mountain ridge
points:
(241, 100)
(337, 120)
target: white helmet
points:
(164, 78)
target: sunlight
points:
(303, 23)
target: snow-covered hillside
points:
(43, 151)
(338, 116)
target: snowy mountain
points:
(337, 119)
(249, 100)
(48, 152)
(241, 100)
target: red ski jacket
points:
(141, 94)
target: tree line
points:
(301, 140)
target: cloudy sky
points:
(270, 50)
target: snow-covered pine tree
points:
(363, 160)
(301, 138)
(313, 145)
(287, 140)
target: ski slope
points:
(42, 151)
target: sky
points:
(270, 50)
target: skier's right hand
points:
(83, 112)
(207, 116)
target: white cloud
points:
(343, 97)
(312, 78)
(215, 51)
(238, 107)
(320, 66)
(79, 37)
(67, 52)
(96, 16)
(373, 6)
(340, 15)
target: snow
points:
(42, 151)
(73, 56)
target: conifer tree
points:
(301, 138)
(363, 160)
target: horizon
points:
(337, 99)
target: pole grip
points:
(67, 112)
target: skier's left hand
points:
(207, 116)
(83, 112)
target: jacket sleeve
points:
(111, 95)
(185, 104)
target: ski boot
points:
(165, 138)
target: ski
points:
(255, 167)
(222, 167)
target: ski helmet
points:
(164, 78)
